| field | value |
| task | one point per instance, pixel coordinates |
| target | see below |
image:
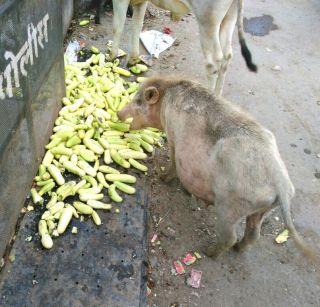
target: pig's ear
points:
(151, 95)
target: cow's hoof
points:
(133, 61)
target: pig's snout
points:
(124, 114)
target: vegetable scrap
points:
(282, 237)
(84, 23)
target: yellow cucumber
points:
(72, 168)
(118, 159)
(64, 220)
(113, 194)
(74, 211)
(46, 241)
(73, 159)
(125, 187)
(45, 176)
(61, 150)
(82, 208)
(121, 177)
(56, 174)
(86, 196)
(96, 218)
(120, 126)
(48, 157)
(147, 138)
(46, 188)
(129, 153)
(94, 146)
(88, 155)
(42, 228)
(74, 140)
(87, 168)
(138, 165)
(53, 200)
(54, 142)
(96, 204)
(146, 146)
(108, 169)
(56, 207)
(44, 182)
(79, 186)
(91, 180)
(107, 157)
(102, 180)
(122, 71)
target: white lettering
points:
(45, 24)
(24, 56)
(7, 75)
(2, 95)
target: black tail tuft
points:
(247, 56)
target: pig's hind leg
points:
(225, 228)
(253, 228)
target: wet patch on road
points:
(259, 26)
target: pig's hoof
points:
(167, 178)
(239, 247)
(212, 252)
(112, 55)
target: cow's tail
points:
(244, 49)
(284, 202)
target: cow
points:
(216, 20)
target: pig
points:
(221, 154)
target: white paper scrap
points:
(156, 42)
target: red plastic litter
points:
(82, 43)
(167, 30)
(179, 267)
(189, 259)
(195, 279)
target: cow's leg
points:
(253, 227)
(226, 32)
(210, 43)
(97, 4)
(209, 18)
(137, 23)
(119, 17)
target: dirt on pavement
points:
(284, 96)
